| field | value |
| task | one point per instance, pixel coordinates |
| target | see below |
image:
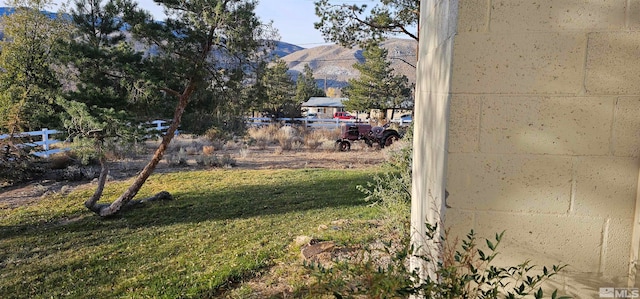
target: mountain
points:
(5, 11)
(333, 64)
(283, 49)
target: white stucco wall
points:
(529, 112)
(437, 29)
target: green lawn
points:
(225, 225)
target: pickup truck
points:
(343, 115)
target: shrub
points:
(466, 273)
(17, 166)
(314, 138)
(244, 151)
(391, 190)
(59, 161)
(263, 136)
(286, 137)
(215, 161)
(177, 159)
(208, 150)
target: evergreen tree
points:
(201, 47)
(107, 70)
(28, 80)
(352, 24)
(279, 91)
(306, 86)
(377, 87)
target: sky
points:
(293, 18)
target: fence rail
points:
(45, 141)
(309, 122)
(160, 126)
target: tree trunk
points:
(106, 210)
(91, 202)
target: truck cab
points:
(343, 115)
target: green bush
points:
(16, 165)
(391, 190)
(465, 273)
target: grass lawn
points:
(225, 225)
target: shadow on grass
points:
(211, 203)
(66, 254)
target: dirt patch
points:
(249, 158)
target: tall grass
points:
(223, 226)
(293, 137)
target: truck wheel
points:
(389, 138)
(344, 146)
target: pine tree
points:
(377, 87)
(279, 91)
(306, 86)
(28, 81)
(202, 43)
(353, 24)
(108, 71)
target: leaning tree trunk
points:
(126, 198)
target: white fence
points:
(158, 126)
(309, 122)
(45, 140)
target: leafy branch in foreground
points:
(467, 272)
(351, 24)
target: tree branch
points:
(170, 91)
(391, 27)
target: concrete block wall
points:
(544, 134)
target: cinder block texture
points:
(464, 123)
(549, 125)
(534, 63)
(513, 183)
(613, 66)
(617, 255)
(473, 16)
(545, 239)
(626, 127)
(458, 223)
(633, 14)
(605, 187)
(554, 15)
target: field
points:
(232, 232)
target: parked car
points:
(406, 118)
(312, 116)
(343, 115)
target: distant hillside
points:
(5, 11)
(283, 49)
(334, 64)
(331, 64)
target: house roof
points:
(324, 102)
